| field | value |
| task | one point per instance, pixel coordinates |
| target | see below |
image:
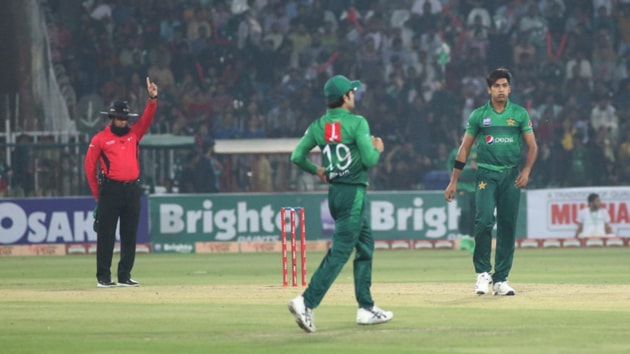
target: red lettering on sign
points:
(566, 214)
(561, 214)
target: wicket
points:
(292, 213)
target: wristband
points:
(154, 97)
(459, 165)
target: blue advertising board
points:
(27, 221)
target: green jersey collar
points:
(507, 106)
(337, 111)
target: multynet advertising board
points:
(178, 221)
(553, 212)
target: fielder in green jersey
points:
(500, 128)
(466, 187)
(348, 150)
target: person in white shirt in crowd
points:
(593, 221)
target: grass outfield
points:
(568, 301)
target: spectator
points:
(370, 63)
(593, 220)
(275, 35)
(198, 25)
(623, 28)
(207, 170)
(254, 128)
(604, 59)
(300, 39)
(250, 31)
(229, 126)
(604, 115)
(187, 174)
(533, 26)
(478, 15)
(292, 82)
(262, 174)
(425, 15)
(397, 163)
(312, 51)
(330, 40)
(277, 17)
(281, 121)
(201, 43)
(161, 71)
(477, 35)
(221, 99)
(623, 159)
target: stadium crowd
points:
(255, 69)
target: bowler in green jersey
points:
(500, 129)
(466, 187)
(348, 150)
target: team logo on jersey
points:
(486, 122)
(511, 121)
(332, 132)
(492, 140)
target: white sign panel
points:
(552, 213)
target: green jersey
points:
(345, 142)
(467, 178)
(499, 135)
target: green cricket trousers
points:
(348, 207)
(496, 189)
(466, 203)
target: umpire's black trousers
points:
(117, 201)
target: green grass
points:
(568, 301)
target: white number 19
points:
(343, 157)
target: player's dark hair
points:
(336, 103)
(592, 197)
(496, 74)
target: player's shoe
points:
(105, 284)
(128, 282)
(303, 315)
(373, 316)
(483, 283)
(503, 288)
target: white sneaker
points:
(373, 316)
(303, 315)
(503, 288)
(483, 283)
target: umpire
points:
(112, 168)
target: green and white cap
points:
(339, 85)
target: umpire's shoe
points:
(128, 282)
(105, 284)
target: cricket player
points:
(348, 151)
(500, 128)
